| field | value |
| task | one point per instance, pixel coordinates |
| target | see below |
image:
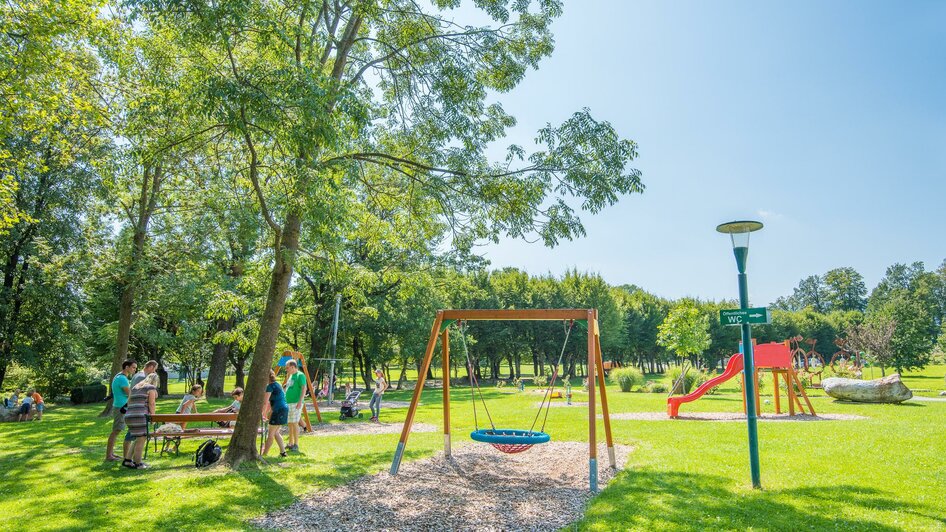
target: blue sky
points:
(824, 120)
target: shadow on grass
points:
(648, 500)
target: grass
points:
(884, 473)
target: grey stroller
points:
(350, 406)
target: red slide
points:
(732, 369)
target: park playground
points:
(860, 474)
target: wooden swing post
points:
(439, 330)
(445, 347)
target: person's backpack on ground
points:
(207, 454)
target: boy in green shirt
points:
(295, 393)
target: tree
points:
(873, 337)
(686, 330)
(52, 148)
(810, 293)
(334, 102)
(844, 289)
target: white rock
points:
(884, 390)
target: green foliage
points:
(90, 393)
(626, 378)
(685, 331)
(655, 387)
(687, 384)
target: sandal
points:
(283, 454)
(128, 463)
(141, 465)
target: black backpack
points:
(208, 453)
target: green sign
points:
(739, 316)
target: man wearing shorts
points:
(295, 395)
(121, 389)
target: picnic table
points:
(172, 440)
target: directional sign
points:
(739, 316)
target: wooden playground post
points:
(604, 397)
(594, 364)
(418, 388)
(592, 444)
(775, 379)
(445, 346)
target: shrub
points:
(90, 393)
(843, 370)
(540, 381)
(687, 383)
(762, 381)
(655, 387)
(626, 378)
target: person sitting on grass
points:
(277, 411)
(232, 408)
(140, 406)
(25, 408)
(189, 402)
(14, 399)
(38, 405)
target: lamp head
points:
(739, 234)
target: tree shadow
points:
(646, 499)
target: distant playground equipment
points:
(514, 440)
(297, 356)
(846, 357)
(774, 357)
(811, 361)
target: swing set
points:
(513, 440)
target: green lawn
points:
(884, 473)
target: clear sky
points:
(824, 120)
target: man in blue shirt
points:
(121, 390)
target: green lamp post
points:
(739, 231)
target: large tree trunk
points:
(218, 362)
(147, 203)
(243, 442)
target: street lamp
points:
(739, 231)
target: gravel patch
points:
(362, 405)
(545, 488)
(365, 427)
(929, 399)
(731, 416)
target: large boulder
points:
(888, 389)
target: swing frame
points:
(440, 330)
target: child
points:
(234, 408)
(189, 402)
(38, 405)
(25, 408)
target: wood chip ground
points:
(479, 488)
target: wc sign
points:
(740, 316)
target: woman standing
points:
(380, 385)
(274, 405)
(140, 406)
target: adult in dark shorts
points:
(140, 406)
(121, 389)
(274, 405)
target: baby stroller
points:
(350, 406)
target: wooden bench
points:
(172, 440)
